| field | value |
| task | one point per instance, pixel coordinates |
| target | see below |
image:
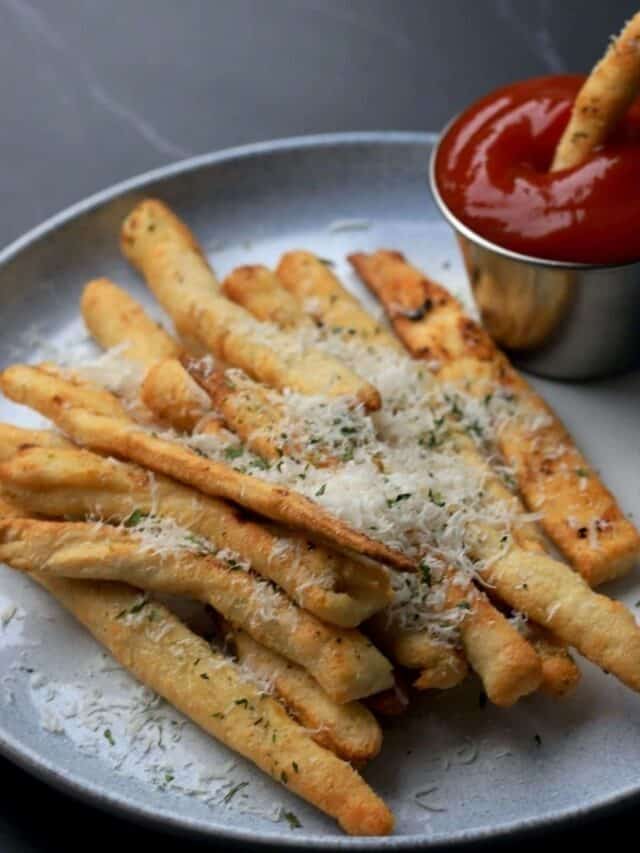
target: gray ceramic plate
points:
(451, 770)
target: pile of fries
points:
(357, 516)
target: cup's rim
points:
(472, 235)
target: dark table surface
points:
(94, 92)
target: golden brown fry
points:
(248, 408)
(77, 484)
(258, 290)
(505, 661)
(258, 416)
(173, 396)
(314, 285)
(56, 392)
(215, 693)
(560, 675)
(557, 598)
(532, 582)
(350, 730)
(580, 515)
(126, 439)
(10, 508)
(14, 439)
(161, 247)
(342, 661)
(114, 318)
(603, 99)
(442, 666)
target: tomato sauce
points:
(492, 172)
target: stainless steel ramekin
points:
(556, 319)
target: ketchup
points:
(492, 172)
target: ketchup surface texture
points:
(492, 171)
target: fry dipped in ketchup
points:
(494, 164)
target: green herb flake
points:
(321, 490)
(283, 777)
(243, 702)
(204, 675)
(260, 463)
(135, 518)
(425, 571)
(403, 496)
(295, 766)
(233, 791)
(582, 472)
(109, 737)
(464, 605)
(292, 820)
(436, 498)
(168, 777)
(233, 452)
(136, 608)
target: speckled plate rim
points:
(40, 767)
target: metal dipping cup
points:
(556, 319)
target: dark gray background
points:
(94, 91)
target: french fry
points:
(258, 416)
(441, 665)
(162, 249)
(579, 514)
(313, 284)
(129, 441)
(548, 592)
(173, 396)
(505, 661)
(560, 675)
(350, 730)
(114, 318)
(342, 661)
(248, 409)
(258, 290)
(603, 99)
(217, 695)
(14, 439)
(56, 391)
(77, 484)
(10, 508)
